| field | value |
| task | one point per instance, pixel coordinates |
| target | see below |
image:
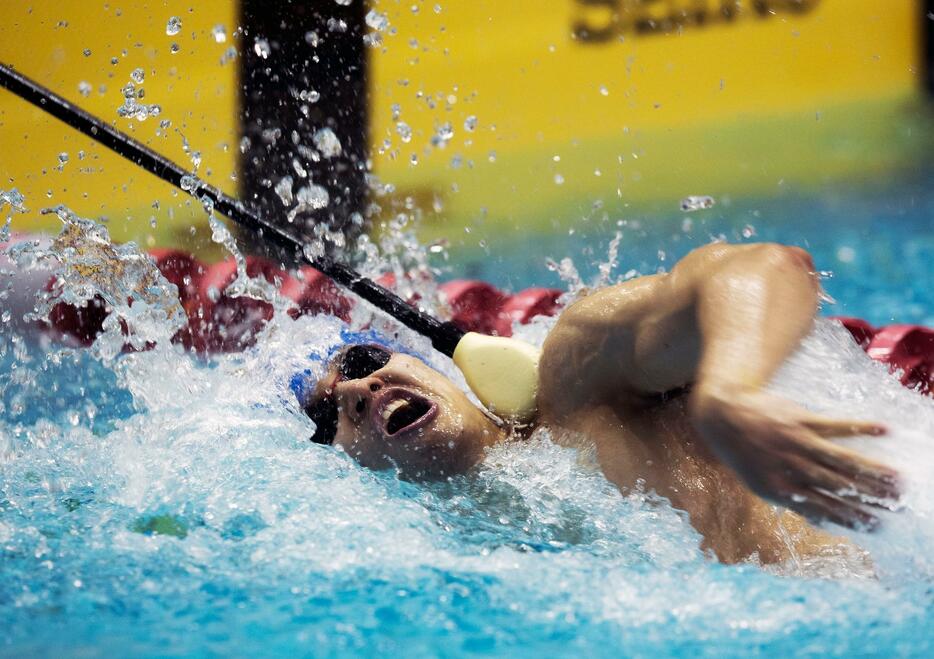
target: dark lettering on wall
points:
(600, 21)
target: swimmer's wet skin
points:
(664, 376)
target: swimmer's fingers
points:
(825, 427)
(819, 507)
(869, 492)
(864, 475)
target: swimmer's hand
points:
(781, 452)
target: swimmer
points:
(664, 378)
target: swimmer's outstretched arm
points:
(722, 322)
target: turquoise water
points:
(876, 241)
(154, 505)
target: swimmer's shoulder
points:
(589, 346)
(601, 349)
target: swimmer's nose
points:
(357, 396)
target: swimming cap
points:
(303, 382)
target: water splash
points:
(143, 306)
(693, 203)
(173, 26)
(207, 486)
(132, 108)
(16, 203)
(327, 143)
(376, 20)
(284, 190)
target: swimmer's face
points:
(404, 414)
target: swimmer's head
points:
(389, 409)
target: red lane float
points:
(221, 323)
(525, 305)
(476, 306)
(905, 348)
(314, 293)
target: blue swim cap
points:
(303, 382)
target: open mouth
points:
(401, 411)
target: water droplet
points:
(297, 166)
(6, 316)
(84, 88)
(343, 3)
(604, 91)
(220, 33)
(404, 131)
(229, 55)
(376, 20)
(693, 203)
(748, 231)
(445, 131)
(327, 143)
(174, 48)
(470, 123)
(138, 75)
(336, 25)
(312, 196)
(559, 180)
(373, 39)
(437, 9)
(188, 183)
(311, 38)
(173, 26)
(261, 47)
(284, 190)
(86, 52)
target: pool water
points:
(151, 504)
(875, 241)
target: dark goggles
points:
(353, 363)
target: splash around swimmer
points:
(664, 376)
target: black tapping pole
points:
(444, 335)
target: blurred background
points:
(504, 134)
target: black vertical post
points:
(303, 69)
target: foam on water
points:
(190, 514)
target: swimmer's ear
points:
(502, 372)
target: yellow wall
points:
(724, 107)
(46, 41)
(729, 107)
